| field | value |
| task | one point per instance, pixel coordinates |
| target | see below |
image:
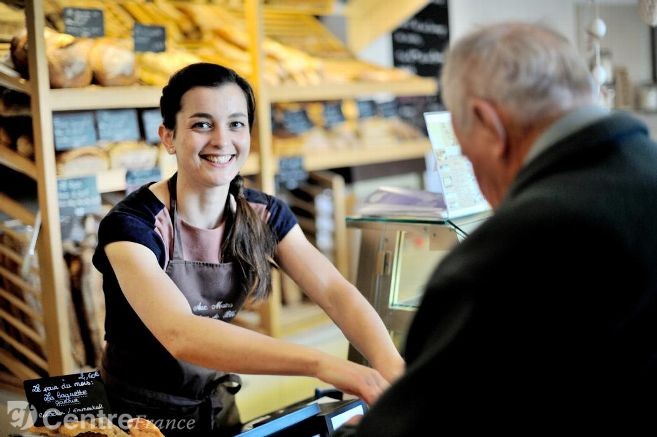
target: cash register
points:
(319, 415)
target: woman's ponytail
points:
(250, 244)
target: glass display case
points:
(395, 260)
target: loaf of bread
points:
(68, 64)
(113, 62)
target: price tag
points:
(74, 129)
(388, 109)
(333, 115)
(366, 108)
(136, 178)
(291, 172)
(78, 196)
(149, 38)
(296, 122)
(151, 119)
(84, 22)
(117, 125)
(58, 399)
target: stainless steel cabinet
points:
(396, 258)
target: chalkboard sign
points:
(291, 172)
(296, 121)
(78, 196)
(136, 178)
(411, 109)
(67, 398)
(84, 22)
(333, 114)
(149, 38)
(74, 129)
(117, 125)
(366, 108)
(388, 109)
(419, 43)
(151, 119)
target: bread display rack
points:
(50, 329)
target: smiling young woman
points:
(180, 257)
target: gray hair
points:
(529, 69)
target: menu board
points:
(138, 177)
(151, 119)
(117, 125)
(74, 129)
(333, 115)
(83, 22)
(291, 172)
(419, 43)
(149, 38)
(67, 398)
(296, 121)
(454, 174)
(78, 196)
(366, 108)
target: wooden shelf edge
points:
(17, 162)
(98, 97)
(10, 79)
(14, 209)
(363, 155)
(112, 180)
(416, 86)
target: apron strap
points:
(177, 242)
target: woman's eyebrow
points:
(200, 115)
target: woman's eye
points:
(237, 124)
(202, 125)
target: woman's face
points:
(212, 139)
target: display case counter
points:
(395, 260)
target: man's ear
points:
(166, 136)
(491, 120)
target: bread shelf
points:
(411, 87)
(10, 79)
(16, 210)
(20, 163)
(364, 155)
(97, 97)
(114, 179)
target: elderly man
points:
(546, 315)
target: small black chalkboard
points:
(291, 172)
(151, 119)
(74, 129)
(67, 398)
(78, 196)
(117, 125)
(296, 122)
(388, 109)
(149, 38)
(136, 178)
(366, 108)
(333, 115)
(84, 22)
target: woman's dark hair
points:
(202, 74)
(249, 243)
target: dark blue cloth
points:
(545, 317)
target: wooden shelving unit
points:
(263, 163)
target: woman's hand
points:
(352, 378)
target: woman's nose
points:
(220, 136)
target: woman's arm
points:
(341, 300)
(220, 345)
